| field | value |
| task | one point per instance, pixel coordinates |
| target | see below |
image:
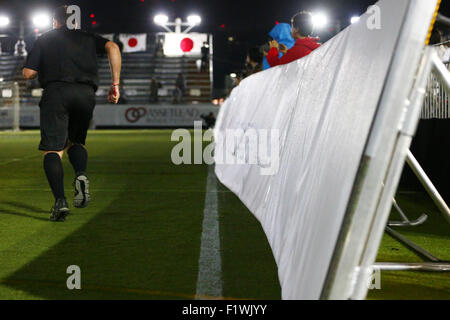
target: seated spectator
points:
(180, 87)
(210, 120)
(231, 81)
(302, 29)
(254, 61)
(155, 85)
(20, 48)
(442, 49)
(282, 32)
(205, 57)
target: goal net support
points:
(9, 106)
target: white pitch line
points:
(17, 159)
(209, 281)
(7, 188)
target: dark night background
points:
(248, 22)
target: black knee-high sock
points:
(78, 158)
(55, 174)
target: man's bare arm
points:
(115, 62)
(29, 73)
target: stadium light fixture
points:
(4, 21)
(194, 20)
(320, 20)
(161, 19)
(354, 19)
(41, 20)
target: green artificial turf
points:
(433, 235)
(140, 236)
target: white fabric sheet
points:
(323, 106)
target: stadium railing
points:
(436, 104)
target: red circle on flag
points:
(132, 42)
(187, 44)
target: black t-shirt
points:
(66, 56)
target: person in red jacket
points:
(302, 28)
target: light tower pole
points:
(178, 24)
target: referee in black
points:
(65, 61)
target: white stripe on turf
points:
(209, 281)
(8, 161)
(113, 190)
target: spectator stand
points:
(137, 71)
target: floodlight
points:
(161, 19)
(4, 21)
(41, 20)
(194, 20)
(233, 75)
(354, 19)
(320, 20)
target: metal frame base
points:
(406, 222)
(432, 263)
(419, 266)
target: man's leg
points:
(54, 171)
(55, 175)
(82, 107)
(54, 124)
(78, 157)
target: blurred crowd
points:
(288, 42)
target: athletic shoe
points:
(82, 196)
(60, 210)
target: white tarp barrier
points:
(323, 107)
(180, 115)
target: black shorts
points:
(66, 110)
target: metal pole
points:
(21, 29)
(178, 24)
(16, 107)
(211, 64)
(422, 253)
(400, 211)
(419, 266)
(406, 222)
(428, 185)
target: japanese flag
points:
(182, 44)
(134, 42)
